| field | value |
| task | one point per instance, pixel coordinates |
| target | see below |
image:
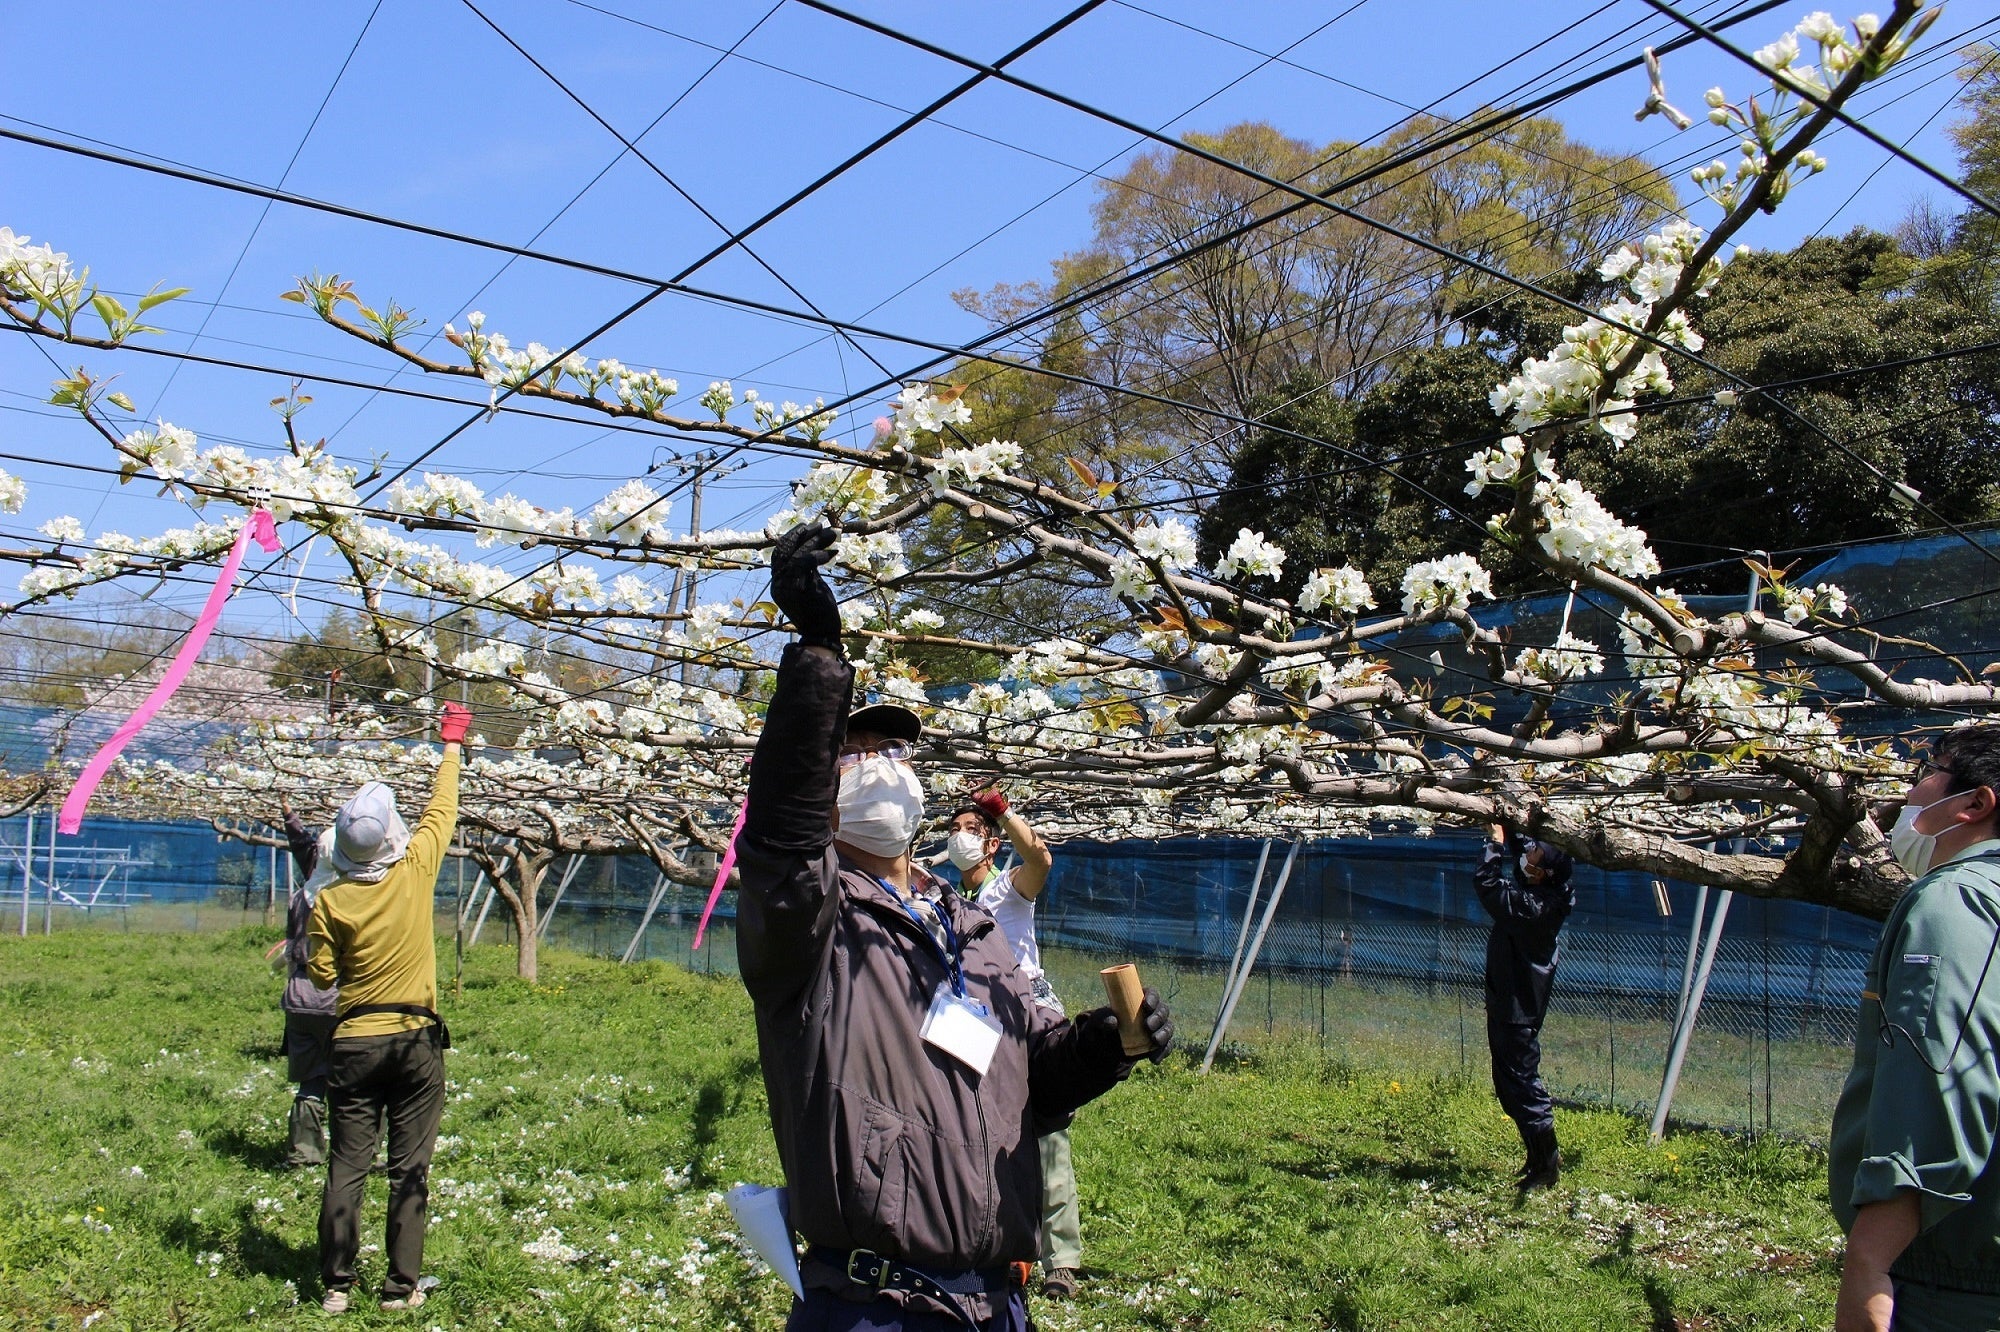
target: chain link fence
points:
(1375, 952)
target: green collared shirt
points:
(1921, 1109)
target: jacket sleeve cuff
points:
(1881, 1178)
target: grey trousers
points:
(1062, 1222)
(400, 1075)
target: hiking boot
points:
(1059, 1283)
(1544, 1167)
(414, 1300)
(334, 1302)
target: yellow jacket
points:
(377, 941)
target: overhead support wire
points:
(1805, 94)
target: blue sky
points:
(435, 119)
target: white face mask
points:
(966, 849)
(881, 806)
(1913, 850)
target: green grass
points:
(142, 1108)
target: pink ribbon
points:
(265, 531)
(722, 873)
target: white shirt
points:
(1016, 917)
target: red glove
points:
(991, 803)
(453, 725)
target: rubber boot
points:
(1544, 1167)
(308, 1126)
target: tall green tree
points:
(1707, 483)
(1308, 296)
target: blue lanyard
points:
(950, 954)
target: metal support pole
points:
(1250, 958)
(652, 905)
(569, 872)
(49, 898)
(27, 870)
(492, 892)
(1694, 951)
(458, 934)
(1237, 959)
(1684, 1029)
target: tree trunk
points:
(524, 898)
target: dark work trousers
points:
(1516, 1048)
(824, 1311)
(400, 1075)
(309, 1051)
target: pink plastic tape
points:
(265, 531)
(722, 869)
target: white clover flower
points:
(1251, 554)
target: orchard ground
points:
(594, 1120)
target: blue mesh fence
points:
(1375, 952)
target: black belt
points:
(877, 1272)
(407, 1010)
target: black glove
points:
(1157, 1022)
(798, 588)
(1097, 1031)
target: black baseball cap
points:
(892, 721)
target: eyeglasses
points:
(1927, 766)
(896, 751)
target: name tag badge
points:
(1917, 959)
(965, 1030)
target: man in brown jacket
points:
(908, 1069)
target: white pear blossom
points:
(1168, 541)
(1568, 658)
(633, 512)
(1580, 529)
(1449, 583)
(1131, 577)
(920, 410)
(1345, 589)
(1251, 554)
(981, 462)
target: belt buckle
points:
(880, 1280)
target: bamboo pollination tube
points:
(1122, 988)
